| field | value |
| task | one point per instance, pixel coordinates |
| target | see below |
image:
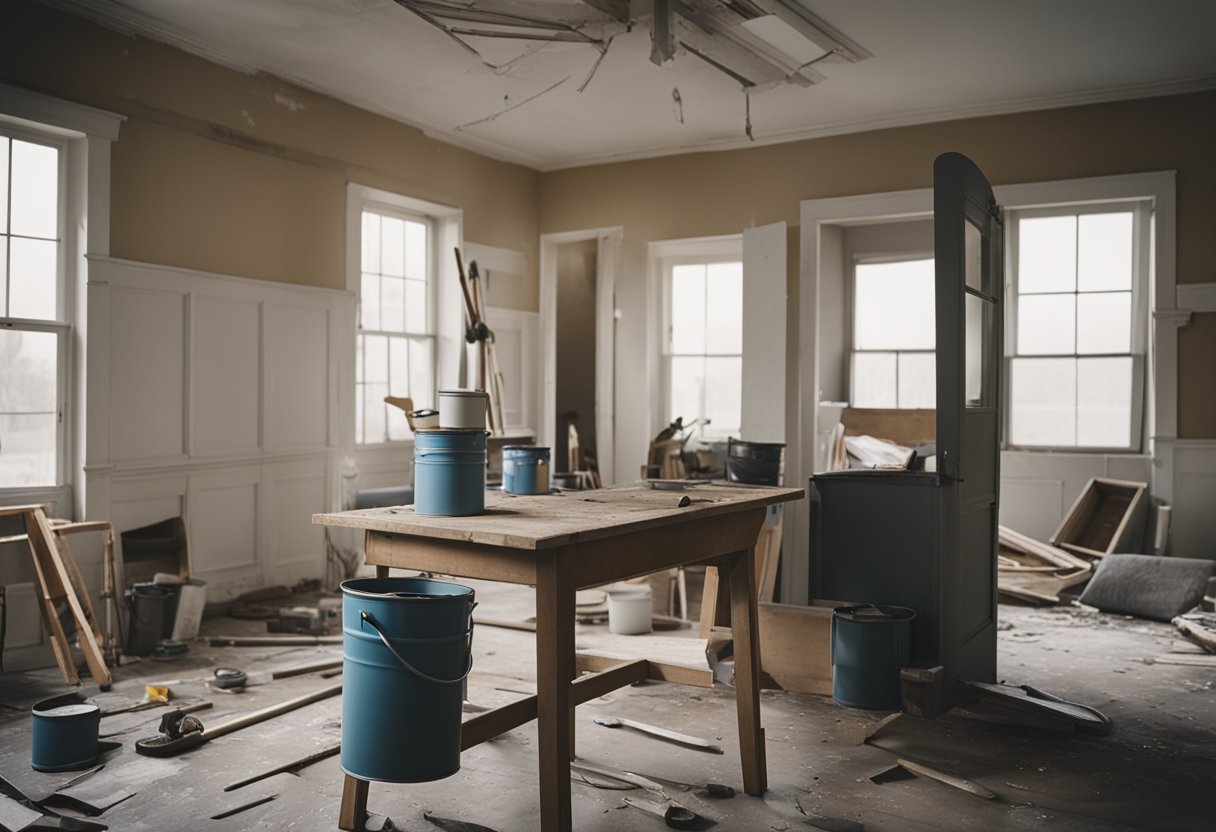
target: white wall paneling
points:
(1192, 491)
(225, 372)
(215, 398)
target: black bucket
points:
(754, 463)
(153, 609)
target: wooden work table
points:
(561, 543)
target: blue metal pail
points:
(450, 472)
(406, 653)
(525, 469)
(870, 644)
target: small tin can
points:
(462, 409)
(525, 469)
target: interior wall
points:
(704, 194)
(575, 332)
(246, 175)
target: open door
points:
(970, 290)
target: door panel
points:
(970, 286)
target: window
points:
(894, 336)
(395, 350)
(704, 354)
(33, 329)
(1077, 339)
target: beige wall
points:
(246, 175)
(721, 193)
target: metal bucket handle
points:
(367, 616)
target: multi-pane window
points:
(894, 338)
(1074, 373)
(705, 345)
(32, 336)
(395, 353)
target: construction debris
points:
(1199, 628)
(1036, 572)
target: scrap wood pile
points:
(1030, 570)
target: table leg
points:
(381, 571)
(744, 629)
(353, 814)
(554, 672)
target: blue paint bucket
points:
(525, 469)
(65, 733)
(406, 651)
(450, 472)
(870, 644)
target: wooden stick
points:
(469, 311)
(948, 779)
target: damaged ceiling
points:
(557, 83)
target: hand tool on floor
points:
(180, 732)
(663, 733)
(288, 768)
(673, 814)
(636, 780)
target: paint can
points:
(463, 409)
(525, 469)
(629, 611)
(406, 654)
(65, 733)
(754, 463)
(450, 472)
(870, 645)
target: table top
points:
(547, 520)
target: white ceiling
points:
(932, 60)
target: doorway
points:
(578, 343)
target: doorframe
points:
(918, 204)
(608, 258)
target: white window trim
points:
(447, 323)
(665, 256)
(1159, 186)
(87, 133)
(850, 303)
(1142, 229)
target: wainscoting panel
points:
(147, 355)
(226, 373)
(297, 382)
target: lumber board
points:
(1194, 631)
(547, 521)
(1045, 552)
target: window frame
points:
(384, 208)
(863, 258)
(714, 253)
(1143, 218)
(62, 324)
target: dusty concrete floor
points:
(1155, 772)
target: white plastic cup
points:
(463, 409)
(629, 611)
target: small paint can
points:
(629, 611)
(525, 469)
(65, 733)
(450, 472)
(462, 409)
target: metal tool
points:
(673, 814)
(180, 732)
(292, 767)
(663, 733)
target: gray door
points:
(970, 288)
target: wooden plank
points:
(50, 617)
(448, 557)
(1019, 542)
(903, 426)
(796, 646)
(744, 626)
(768, 552)
(548, 521)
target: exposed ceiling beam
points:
(814, 28)
(662, 33)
